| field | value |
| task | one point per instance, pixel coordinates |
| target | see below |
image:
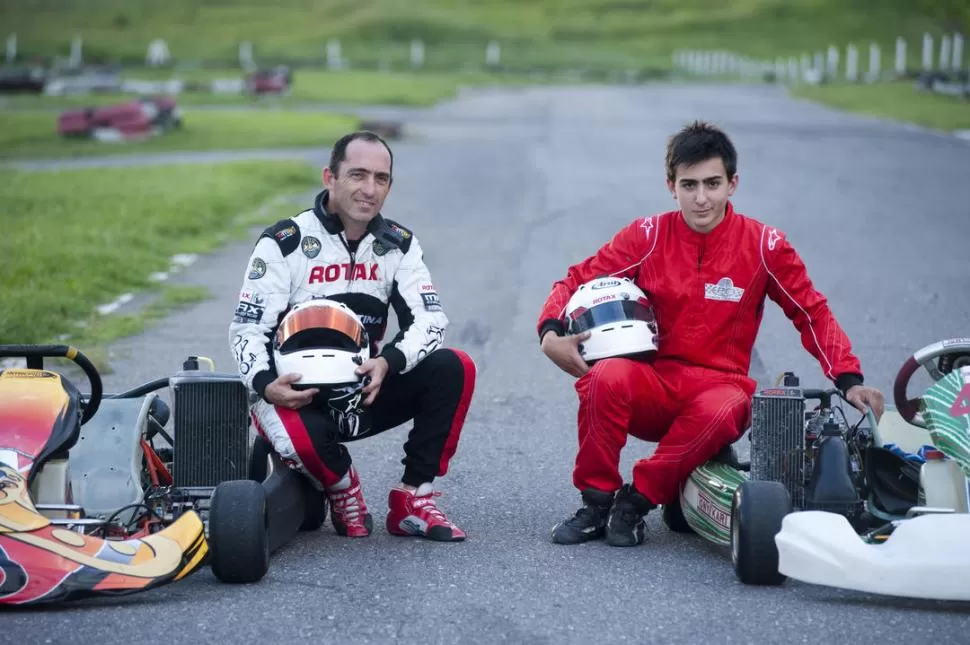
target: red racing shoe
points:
(414, 513)
(348, 512)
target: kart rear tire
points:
(757, 510)
(673, 517)
(239, 532)
(315, 513)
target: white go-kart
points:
(923, 548)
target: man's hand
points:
(376, 369)
(280, 393)
(860, 396)
(564, 352)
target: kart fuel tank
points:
(706, 500)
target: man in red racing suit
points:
(706, 270)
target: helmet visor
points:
(316, 327)
(610, 312)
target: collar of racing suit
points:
(331, 223)
(696, 238)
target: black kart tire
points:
(673, 517)
(757, 510)
(315, 513)
(239, 532)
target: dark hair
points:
(339, 152)
(698, 142)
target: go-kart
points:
(97, 497)
(921, 548)
(135, 119)
(827, 502)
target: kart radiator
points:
(211, 428)
(778, 439)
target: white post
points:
(793, 70)
(417, 53)
(833, 62)
(874, 60)
(957, 63)
(851, 63)
(945, 53)
(158, 53)
(927, 52)
(11, 47)
(493, 54)
(806, 65)
(819, 62)
(246, 55)
(76, 45)
(333, 54)
(900, 56)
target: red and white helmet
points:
(323, 340)
(618, 316)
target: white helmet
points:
(324, 341)
(618, 316)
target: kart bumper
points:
(925, 557)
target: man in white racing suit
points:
(345, 250)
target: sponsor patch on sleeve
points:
(257, 269)
(431, 301)
(249, 312)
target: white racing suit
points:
(308, 256)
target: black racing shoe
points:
(625, 525)
(589, 522)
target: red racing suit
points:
(694, 395)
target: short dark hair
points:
(698, 142)
(339, 152)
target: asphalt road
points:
(504, 191)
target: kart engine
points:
(809, 451)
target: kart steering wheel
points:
(35, 355)
(929, 358)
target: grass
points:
(536, 33)
(361, 87)
(74, 240)
(895, 100)
(34, 134)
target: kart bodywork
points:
(98, 498)
(131, 120)
(825, 502)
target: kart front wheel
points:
(757, 510)
(239, 532)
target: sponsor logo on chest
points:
(724, 290)
(335, 272)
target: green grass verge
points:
(34, 134)
(74, 240)
(310, 87)
(592, 33)
(898, 100)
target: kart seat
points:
(52, 412)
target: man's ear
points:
(733, 184)
(670, 187)
(328, 177)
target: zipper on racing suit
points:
(353, 258)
